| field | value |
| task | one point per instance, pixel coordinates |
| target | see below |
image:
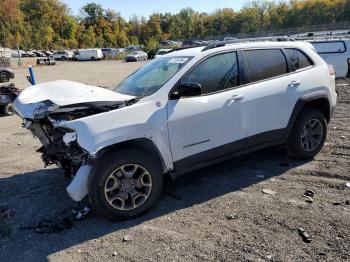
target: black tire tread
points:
(120, 157)
(293, 146)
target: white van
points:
(88, 54)
(336, 53)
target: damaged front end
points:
(46, 120)
(59, 145)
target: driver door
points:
(202, 128)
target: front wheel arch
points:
(144, 144)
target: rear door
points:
(271, 93)
(211, 125)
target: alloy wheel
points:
(128, 187)
(311, 135)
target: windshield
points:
(151, 77)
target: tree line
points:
(49, 24)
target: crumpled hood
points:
(62, 93)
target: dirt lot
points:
(215, 214)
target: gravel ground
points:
(215, 214)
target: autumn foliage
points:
(49, 24)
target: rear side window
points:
(264, 64)
(216, 73)
(330, 47)
(298, 59)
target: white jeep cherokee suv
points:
(185, 110)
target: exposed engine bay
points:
(59, 144)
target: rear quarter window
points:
(330, 47)
(265, 63)
(298, 59)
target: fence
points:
(342, 26)
(5, 62)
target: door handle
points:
(294, 83)
(235, 98)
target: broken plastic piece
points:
(78, 189)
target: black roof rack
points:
(181, 48)
(215, 44)
(218, 43)
(269, 38)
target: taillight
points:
(331, 70)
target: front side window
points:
(216, 73)
(150, 78)
(265, 63)
(298, 59)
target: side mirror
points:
(187, 89)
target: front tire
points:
(125, 183)
(8, 110)
(308, 134)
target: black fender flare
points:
(302, 102)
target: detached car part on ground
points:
(183, 111)
(6, 74)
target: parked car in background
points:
(88, 54)
(335, 52)
(162, 52)
(5, 52)
(6, 74)
(8, 94)
(47, 53)
(136, 56)
(39, 53)
(16, 53)
(112, 52)
(31, 54)
(194, 42)
(170, 43)
(63, 55)
(132, 48)
(49, 61)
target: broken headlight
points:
(42, 109)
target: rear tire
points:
(308, 134)
(93, 58)
(129, 176)
(5, 77)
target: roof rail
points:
(181, 48)
(270, 38)
(215, 44)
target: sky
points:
(144, 8)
